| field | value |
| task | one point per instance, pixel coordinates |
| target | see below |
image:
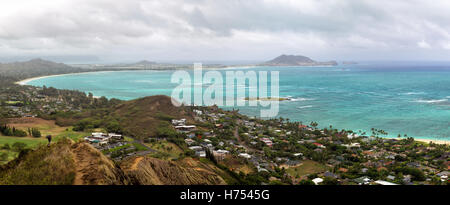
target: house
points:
(362, 180)
(302, 127)
(115, 136)
(196, 148)
(189, 141)
(200, 153)
(267, 141)
(220, 154)
(352, 145)
(198, 112)
(245, 155)
(343, 169)
(185, 127)
(179, 122)
(407, 179)
(381, 182)
(330, 174)
(208, 134)
(317, 181)
(98, 137)
(443, 175)
(261, 169)
(298, 154)
(319, 145)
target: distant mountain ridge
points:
(297, 60)
(35, 67)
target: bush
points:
(330, 181)
(3, 156)
(6, 147)
(35, 133)
(19, 146)
(306, 182)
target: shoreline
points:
(25, 81)
(446, 142)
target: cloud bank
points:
(227, 30)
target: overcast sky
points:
(226, 30)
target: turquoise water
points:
(400, 99)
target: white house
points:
(317, 181)
(245, 155)
(381, 182)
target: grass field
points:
(307, 167)
(31, 142)
(169, 149)
(10, 156)
(46, 127)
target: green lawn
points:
(75, 136)
(11, 155)
(169, 149)
(307, 167)
(31, 142)
(34, 142)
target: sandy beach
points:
(447, 142)
(434, 141)
(25, 81)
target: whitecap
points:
(431, 101)
(304, 107)
(413, 93)
(301, 99)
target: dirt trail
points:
(83, 162)
(136, 163)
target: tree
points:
(330, 181)
(210, 156)
(306, 182)
(35, 133)
(314, 124)
(114, 126)
(19, 132)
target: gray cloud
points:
(227, 30)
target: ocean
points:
(400, 98)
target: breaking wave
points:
(431, 101)
(304, 107)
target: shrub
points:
(35, 133)
(19, 146)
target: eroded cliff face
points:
(151, 171)
(63, 163)
(70, 163)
